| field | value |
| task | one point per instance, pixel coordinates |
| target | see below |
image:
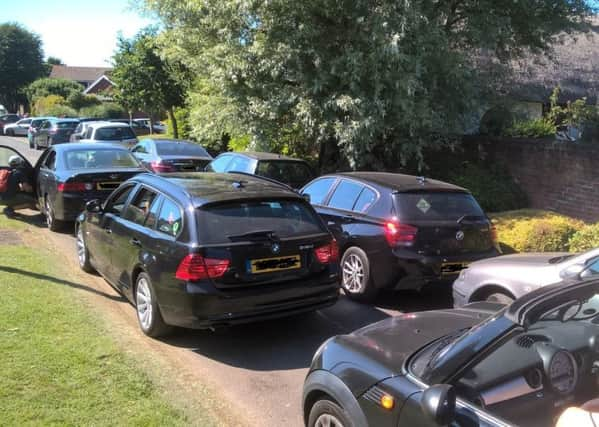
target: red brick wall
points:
(558, 176)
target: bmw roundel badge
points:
(275, 248)
(459, 235)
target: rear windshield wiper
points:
(255, 236)
(470, 218)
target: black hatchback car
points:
(54, 131)
(202, 250)
(400, 231)
(288, 170)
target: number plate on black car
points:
(449, 268)
(268, 265)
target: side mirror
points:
(572, 271)
(93, 206)
(306, 197)
(438, 404)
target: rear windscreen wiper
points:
(255, 235)
(469, 218)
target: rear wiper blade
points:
(255, 235)
(469, 218)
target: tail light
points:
(400, 234)
(327, 254)
(494, 237)
(160, 167)
(74, 187)
(195, 267)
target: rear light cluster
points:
(397, 233)
(160, 167)
(327, 254)
(75, 187)
(195, 267)
(494, 234)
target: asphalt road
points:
(259, 368)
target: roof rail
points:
(265, 178)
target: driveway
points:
(258, 369)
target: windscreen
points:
(231, 221)
(67, 125)
(100, 159)
(293, 173)
(114, 133)
(439, 206)
(180, 149)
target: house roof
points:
(97, 82)
(81, 74)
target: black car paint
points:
(120, 249)
(400, 267)
(146, 152)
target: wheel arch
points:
(491, 288)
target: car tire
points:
(82, 252)
(31, 144)
(35, 144)
(500, 297)
(51, 221)
(355, 275)
(327, 413)
(149, 317)
(10, 132)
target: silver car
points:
(19, 128)
(505, 278)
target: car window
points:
(365, 200)
(180, 148)
(100, 159)
(318, 190)
(219, 164)
(117, 201)
(88, 133)
(429, 206)
(169, 218)
(139, 208)
(140, 148)
(46, 125)
(114, 133)
(345, 195)
(153, 214)
(50, 162)
(5, 154)
(290, 172)
(66, 125)
(239, 164)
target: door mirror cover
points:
(438, 404)
(572, 271)
(93, 206)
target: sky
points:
(79, 32)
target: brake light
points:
(195, 267)
(397, 233)
(74, 187)
(327, 254)
(160, 167)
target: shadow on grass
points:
(37, 219)
(60, 282)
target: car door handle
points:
(331, 223)
(135, 242)
(108, 230)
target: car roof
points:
(104, 124)
(62, 119)
(177, 141)
(259, 155)
(207, 187)
(400, 182)
(88, 146)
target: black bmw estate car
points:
(473, 366)
(400, 231)
(202, 250)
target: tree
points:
(380, 81)
(47, 86)
(52, 60)
(145, 81)
(21, 62)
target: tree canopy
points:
(47, 86)
(21, 62)
(380, 81)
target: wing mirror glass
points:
(93, 206)
(438, 404)
(306, 197)
(572, 271)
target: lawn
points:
(59, 366)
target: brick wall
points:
(558, 176)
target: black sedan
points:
(66, 176)
(203, 250)
(171, 155)
(474, 366)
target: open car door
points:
(7, 152)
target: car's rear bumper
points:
(67, 207)
(202, 306)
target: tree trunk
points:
(171, 116)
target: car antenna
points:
(264, 178)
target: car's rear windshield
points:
(229, 222)
(436, 206)
(66, 125)
(114, 133)
(182, 149)
(99, 159)
(293, 173)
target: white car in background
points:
(111, 132)
(18, 128)
(157, 128)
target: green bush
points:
(44, 104)
(79, 100)
(106, 110)
(59, 110)
(535, 128)
(585, 239)
(530, 230)
(492, 186)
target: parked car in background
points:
(505, 278)
(400, 231)
(54, 131)
(171, 155)
(288, 170)
(209, 250)
(34, 126)
(118, 133)
(18, 128)
(474, 366)
(6, 119)
(80, 130)
(138, 128)
(158, 127)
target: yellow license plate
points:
(268, 265)
(448, 268)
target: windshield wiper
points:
(255, 236)
(470, 218)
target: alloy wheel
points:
(49, 213)
(353, 274)
(144, 303)
(327, 420)
(81, 247)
